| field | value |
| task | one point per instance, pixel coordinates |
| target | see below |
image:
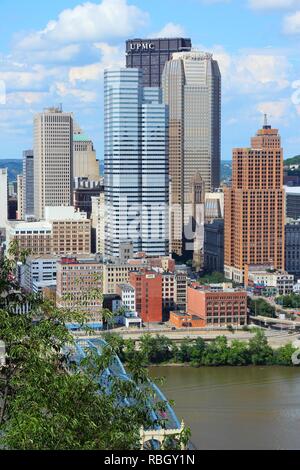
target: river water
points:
(236, 408)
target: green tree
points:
(198, 351)
(260, 351)
(182, 352)
(238, 354)
(214, 278)
(289, 301)
(49, 402)
(156, 349)
(283, 355)
(261, 307)
(216, 353)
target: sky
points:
(55, 52)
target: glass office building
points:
(151, 55)
(28, 174)
(292, 248)
(136, 164)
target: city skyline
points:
(45, 65)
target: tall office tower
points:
(151, 56)
(21, 198)
(136, 164)
(3, 197)
(254, 207)
(53, 160)
(98, 218)
(192, 90)
(196, 212)
(85, 164)
(28, 174)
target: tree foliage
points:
(289, 301)
(47, 401)
(261, 307)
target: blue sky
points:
(55, 52)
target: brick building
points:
(217, 307)
(148, 295)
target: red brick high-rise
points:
(148, 295)
(254, 206)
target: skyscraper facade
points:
(53, 160)
(85, 164)
(3, 197)
(21, 198)
(28, 174)
(151, 55)
(192, 90)
(254, 207)
(136, 164)
(292, 248)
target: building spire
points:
(266, 124)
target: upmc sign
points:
(145, 46)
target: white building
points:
(261, 276)
(127, 293)
(63, 213)
(38, 269)
(296, 288)
(53, 160)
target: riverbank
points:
(160, 350)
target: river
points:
(236, 408)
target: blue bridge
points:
(153, 437)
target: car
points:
(173, 328)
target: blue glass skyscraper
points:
(136, 164)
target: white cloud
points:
(112, 56)
(252, 72)
(273, 4)
(56, 55)
(89, 22)
(170, 30)
(28, 79)
(276, 110)
(27, 98)
(291, 23)
(63, 90)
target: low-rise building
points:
(114, 274)
(217, 307)
(264, 277)
(63, 232)
(296, 288)
(38, 269)
(127, 294)
(80, 286)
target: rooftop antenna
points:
(266, 124)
